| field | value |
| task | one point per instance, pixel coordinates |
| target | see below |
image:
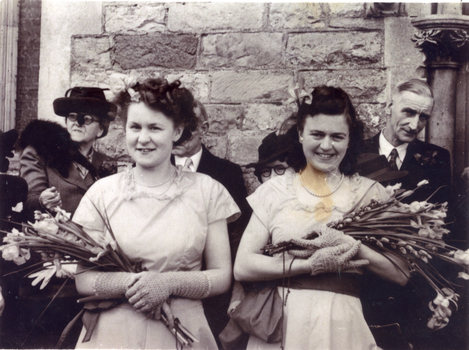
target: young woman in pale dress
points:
(322, 309)
(169, 219)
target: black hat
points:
(271, 148)
(376, 167)
(85, 100)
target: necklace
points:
(158, 185)
(322, 195)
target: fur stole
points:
(53, 143)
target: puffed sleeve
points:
(261, 201)
(91, 211)
(373, 190)
(220, 203)
(33, 170)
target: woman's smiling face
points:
(149, 135)
(325, 141)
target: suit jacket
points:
(423, 161)
(40, 176)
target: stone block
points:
(335, 50)
(212, 16)
(250, 180)
(155, 50)
(373, 116)
(398, 48)
(243, 149)
(242, 50)
(113, 144)
(349, 9)
(223, 118)
(347, 23)
(134, 18)
(90, 77)
(363, 85)
(306, 16)
(266, 117)
(90, 51)
(228, 87)
(197, 83)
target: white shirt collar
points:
(195, 160)
(385, 148)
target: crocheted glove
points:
(153, 288)
(328, 237)
(335, 259)
(110, 283)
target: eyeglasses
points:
(279, 170)
(81, 118)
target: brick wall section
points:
(239, 59)
(28, 62)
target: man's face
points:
(409, 115)
(191, 146)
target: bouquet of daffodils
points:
(411, 232)
(62, 244)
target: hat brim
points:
(271, 159)
(65, 105)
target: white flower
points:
(422, 183)
(462, 256)
(463, 275)
(119, 82)
(46, 226)
(18, 208)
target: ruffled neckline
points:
(179, 183)
(354, 182)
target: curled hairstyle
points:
(175, 102)
(330, 101)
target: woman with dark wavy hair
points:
(169, 220)
(322, 305)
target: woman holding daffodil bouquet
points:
(322, 309)
(168, 220)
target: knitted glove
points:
(328, 237)
(110, 283)
(153, 288)
(336, 259)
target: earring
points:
(301, 138)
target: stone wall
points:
(240, 58)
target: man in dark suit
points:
(384, 303)
(194, 156)
(407, 115)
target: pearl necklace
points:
(323, 195)
(158, 185)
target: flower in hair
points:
(119, 82)
(299, 95)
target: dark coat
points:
(384, 302)
(48, 160)
(423, 161)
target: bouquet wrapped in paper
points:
(411, 232)
(63, 244)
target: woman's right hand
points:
(50, 198)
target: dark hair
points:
(175, 102)
(331, 101)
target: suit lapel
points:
(75, 178)
(205, 165)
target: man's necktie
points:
(392, 159)
(187, 165)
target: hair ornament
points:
(298, 94)
(119, 82)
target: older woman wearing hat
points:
(60, 164)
